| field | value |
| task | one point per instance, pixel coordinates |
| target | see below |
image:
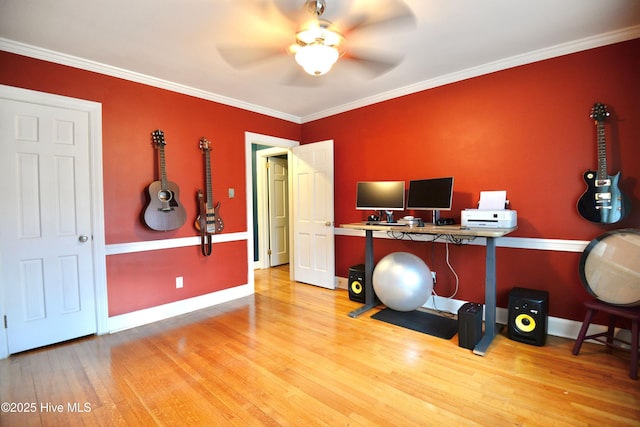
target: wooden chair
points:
(608, 338)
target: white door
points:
(46, 253)
(278, 211)
(314, 244)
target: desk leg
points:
(489, 299)
(369, 299)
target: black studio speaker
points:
(469, 325)
(356, 283)
(528, 313)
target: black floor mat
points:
(421, 321)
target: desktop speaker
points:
(528, 312)
(356, 283)
(469, 325)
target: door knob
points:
(328, 223)
(83, 239)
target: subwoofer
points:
(469, 325)
(528, 313)
(356, 283)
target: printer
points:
(491, 212)
(489, 218)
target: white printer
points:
(489, 218)
(491, 212)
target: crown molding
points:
(587, 43)
(599, 40)
(88, 65)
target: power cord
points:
(457, 287)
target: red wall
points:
(525, 130)
(130, 112)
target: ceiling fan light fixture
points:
(316, 58)
(317, 47)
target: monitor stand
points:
(390, 219)
(435, 217)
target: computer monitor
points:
(434, 194)
(385, 196)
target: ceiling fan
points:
(317, 43)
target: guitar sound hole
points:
(165, 196)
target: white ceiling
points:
(174, 44)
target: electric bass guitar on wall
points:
(602, 202)
(209, 221)
(164, 211)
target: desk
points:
(455, 231)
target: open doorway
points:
(311, 225)
(253, 143)
(272, 229)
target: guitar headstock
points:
(599, 112)
(204, 144)
(158, 137)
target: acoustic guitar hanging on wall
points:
(602, 202)
(164, 211)
(209, 221)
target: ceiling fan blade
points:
(244, 56)
(374, 64)
(294, 11)
(390, 14)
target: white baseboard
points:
(165, 311)
(557, 326)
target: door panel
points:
(278, 211)
(313, 214)
(45, 244)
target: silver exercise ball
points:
(402, 281)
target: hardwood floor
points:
(290, 355)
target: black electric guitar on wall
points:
(602, 202)
(164, 211)
(209, 221)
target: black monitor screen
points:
(380, 195)
(430, 194)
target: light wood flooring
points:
(290, 355)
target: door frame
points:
(251, 138)
(94, 111)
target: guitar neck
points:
(161, 166)
(602, 151)
(207, 164)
